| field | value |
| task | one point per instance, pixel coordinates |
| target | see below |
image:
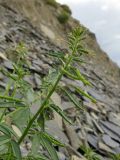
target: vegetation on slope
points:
(20, 122)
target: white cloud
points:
(75, 1)
(104, 7)
(106, 3)
(117, 36)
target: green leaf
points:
(30, 95)
(75, 74)
(78, 59)
(20, 117)
(60, 112)
(16, 150)
(72, 99)
(7, 74)
(52, 139)
(35, 148)
(10, 99)
(70, 75)
(82, 78)
(11, 104)
(41, 121)
(7, 130)
(48, 145)
(57, 54)
(82, 51)
(35, 157)
(35, 145)
(49, 80)
(4, 139)
(4, 130)
(80, 91)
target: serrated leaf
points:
(60, 112)
(72, 99)
(48, 145)
(4, 139)
(52, 139)
(16, 150)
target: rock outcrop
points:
(36, 24)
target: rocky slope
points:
(35, 23)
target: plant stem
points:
(46, 100)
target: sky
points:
(103, 18)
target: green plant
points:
(19, 97)
(66, 9)
(115, 157)
(51, 2)
(89, 153)
(63, 17)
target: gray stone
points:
(30, 80)
(1, 76)
(37, 80)
(109, 141)
(115, 129)
(2, 84)
(91, 106)
(110, 133)
(92, 140)
(114, 118)
(72, 151)
(37, 68)
(53, 129)
(96, 95)
(98, 126)
(24, 151)
(88, 119)
(35, 107)
(117, 150)
(94, 115)
(104, 147)
(8, 65)
(47, 31)
(67, 105)
(37, 62)
(57, 101)
(61, 156)
(72, 135)
(77, 158)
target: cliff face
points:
(44, 17)
(35, 23)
